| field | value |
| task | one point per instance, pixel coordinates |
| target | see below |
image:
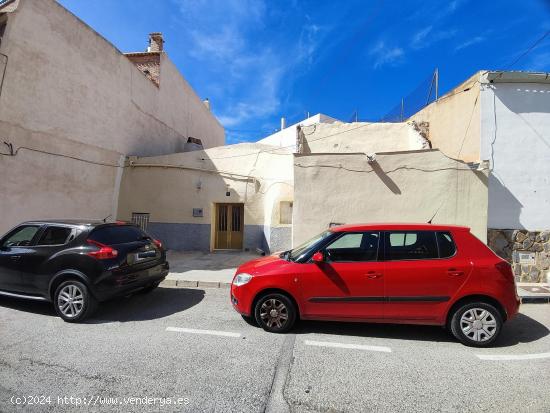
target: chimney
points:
(283, 123)
(206, 103)
(156, 42)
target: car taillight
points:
(157, 243)
(104, 252)
(506, 270)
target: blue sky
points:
(258, 60)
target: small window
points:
(411, 245)
(117, 234)
(354, 247)
(55, 236)
(285, 215)
(21, 236)
(447, 247)
(141, 219)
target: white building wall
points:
(287, 137)
(515, 138)
(72, 105)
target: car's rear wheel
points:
(476, 324)
(73, 301)
(275, 313)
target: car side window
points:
(410, 245)
(21, 236)
(55, 236)
(447, 247)
(355, 247)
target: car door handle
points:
(15, 257)
(454, 272)
(373, 275)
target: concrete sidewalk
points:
(216, 270)
(204, 269)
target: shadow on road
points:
(522, 329)
(139, 307)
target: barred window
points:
(141, 219)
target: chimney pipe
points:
(156, 42)
(283, 123)
(206, 103)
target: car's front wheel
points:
(476, 324)
(275, 313)
(73, 301)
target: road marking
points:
(348, 346)
(513, 356)
(208, 332)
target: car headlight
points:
(242, 279)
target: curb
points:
(215, 284)
(535, 300)
(194, 284)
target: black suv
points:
(76, 264)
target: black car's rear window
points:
(119, 234)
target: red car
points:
(385, 273)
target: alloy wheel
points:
(478, 324)
(70, 301)
(274, 313)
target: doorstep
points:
(534, 292)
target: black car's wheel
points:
(73, 301)
(275, 313)
(476, 324)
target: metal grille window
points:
(141, 219)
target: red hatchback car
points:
(385, 273)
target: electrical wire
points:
(529, 50)
(16, 152)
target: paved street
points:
(190, 344)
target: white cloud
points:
(470, 42)
(223, 36)
(427, 37)
(384, 55)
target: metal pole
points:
(436, 84)
(402, 108)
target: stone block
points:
(519, 236)
(187, 283)
(545, 236)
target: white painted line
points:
(513, 356)
(349, 346)
(207, 332)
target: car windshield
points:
(298, 251)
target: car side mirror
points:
(318, 257)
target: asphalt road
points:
(189, 344)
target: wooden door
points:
(229, 227)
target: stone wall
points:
(527, 251)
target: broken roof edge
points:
(499, 76)
(518, 76)
(8, 6)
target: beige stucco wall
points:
(68, 91)
(342, 137)
(409, 186)
(257, 175)
(454, 121)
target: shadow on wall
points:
(385, 178)
(503, 206)
(525, 102)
